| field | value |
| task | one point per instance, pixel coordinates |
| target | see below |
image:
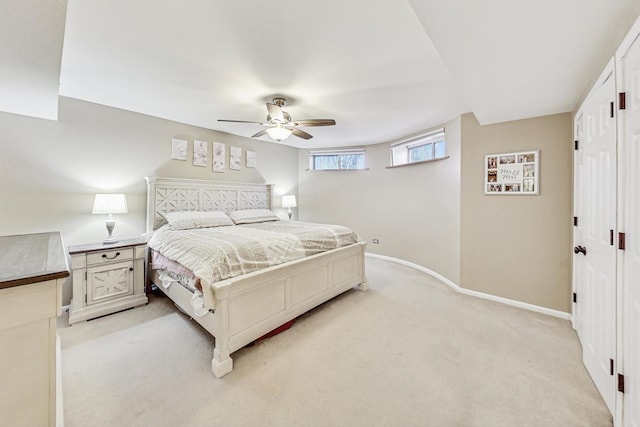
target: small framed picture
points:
(178, 149)
(512, 173)
(235, 158)
(200, 153)
(219, 156)
(492, 162)
(251, 159)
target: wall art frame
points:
(251, 160)
(510, 174)
(219, 156)
(200, 153)
(178, 149)
(235, 158)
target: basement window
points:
(423, 148)
(332, 160)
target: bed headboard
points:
(177, 194)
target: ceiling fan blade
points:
(316, 122)
(239, 121)
(275, 112)
(259, 134)
(301, 134)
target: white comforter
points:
(215, 254)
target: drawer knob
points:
(113, 257)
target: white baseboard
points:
(457, 288)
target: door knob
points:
(580, 250)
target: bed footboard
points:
(251, 305)
(247, 307)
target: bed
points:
(238, 310)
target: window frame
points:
(400, 152)
(339, 153)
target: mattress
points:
(219, 253)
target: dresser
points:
(32, 270)
(107, 278)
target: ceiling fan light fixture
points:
(280, 126)
(279, 132)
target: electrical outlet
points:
(376, 241)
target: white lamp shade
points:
(279, 133)
(289, 201)
(110, 204)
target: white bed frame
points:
(244, 308)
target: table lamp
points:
(110, 204)
(289, 202)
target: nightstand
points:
(107, 278)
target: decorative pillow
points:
(184, 220)
(250, 216)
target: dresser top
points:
(31, 258)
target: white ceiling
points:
(382, 69)
(31, 33)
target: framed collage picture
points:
(512, 173)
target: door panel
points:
(111, 281)
(578, 229)
(597, 290)
(631, 255)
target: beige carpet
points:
(408, 352)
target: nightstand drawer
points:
(102, 257)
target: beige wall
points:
(50, 170)
(413, 210)
(518, 247)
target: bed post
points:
(222, 364)
(151, 202)
(364, 285)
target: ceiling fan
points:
(279, 123)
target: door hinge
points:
(575, 221)
(575, 297)
(611, 367)
(575, 144)
(611, 237)
(622, 100)
(612, 108)
(621, 383)
(621, 241)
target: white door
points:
(578, 266)
(597, 298)
(631, 227)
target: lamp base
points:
(109, 240)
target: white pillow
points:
(250, 216)
(184, 220)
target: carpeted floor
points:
(410, 351)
